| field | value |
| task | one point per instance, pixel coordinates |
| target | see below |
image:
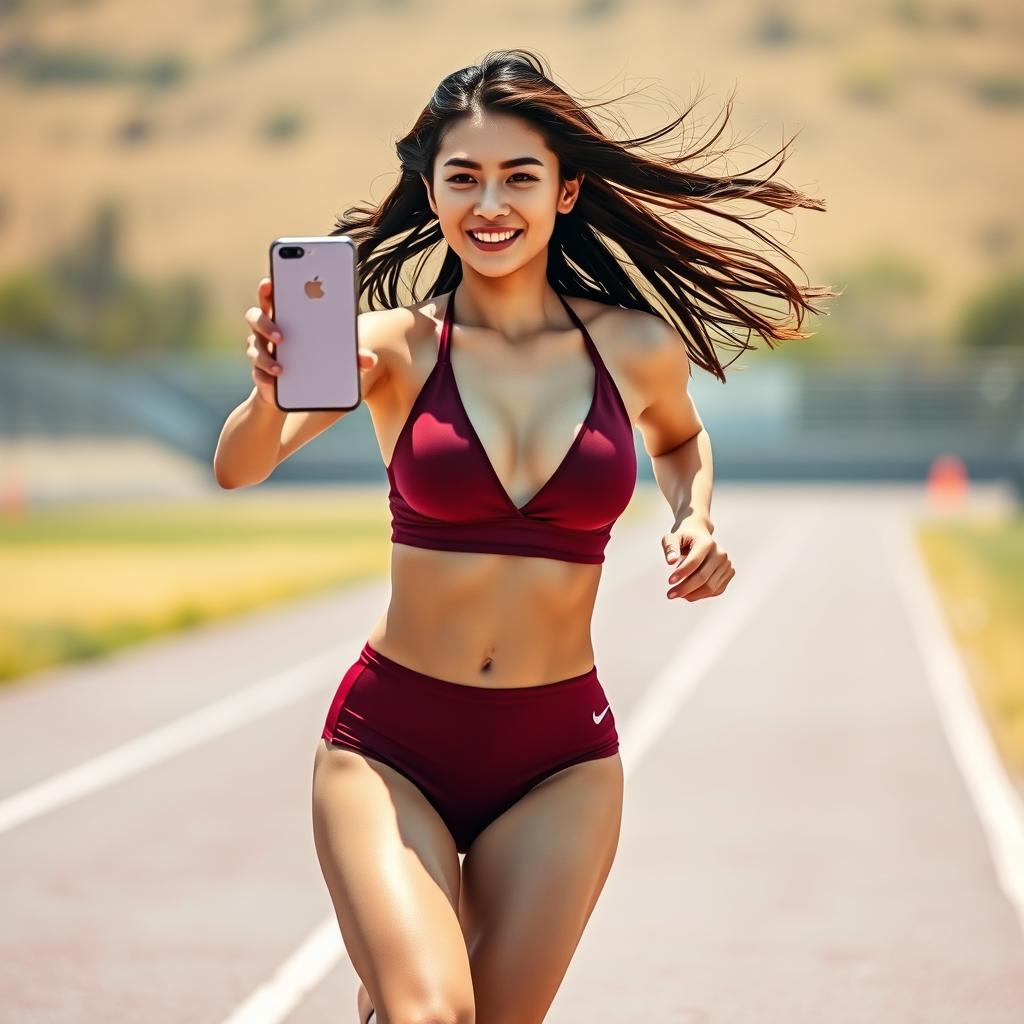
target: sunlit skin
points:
(504, 290)
(515, 620)
(510, 330)
(502, 286)
(520, 902)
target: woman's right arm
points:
(257, 435)
(249, 442)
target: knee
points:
(433, 1013)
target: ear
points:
(570, 192)
(430, 195)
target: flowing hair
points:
(701, 283)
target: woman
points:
(473, 722)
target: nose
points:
(490, 205)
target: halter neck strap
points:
(444, 347)
(446, 329)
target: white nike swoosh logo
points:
(598, 717)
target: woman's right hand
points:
(261, 345)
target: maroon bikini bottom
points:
(473, 751)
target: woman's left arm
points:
(680, 450)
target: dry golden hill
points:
(910, 116)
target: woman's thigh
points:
(392, 870)
(530, 882)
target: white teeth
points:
(492, 237)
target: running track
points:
(816, 828)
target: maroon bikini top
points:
(445, 494)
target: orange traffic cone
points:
(947, 483)
(12, 497)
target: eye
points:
(519, 174)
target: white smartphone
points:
(316, 291)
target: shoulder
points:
(396, 331)
(397, 334)
(644, 346)
(384, 330)
(637, 335)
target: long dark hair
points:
(702, 283)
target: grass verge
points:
(84, 580)
(978, 568)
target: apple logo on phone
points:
(315, 288)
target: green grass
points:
(978, 568)
(84, 580)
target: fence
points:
(773, 420)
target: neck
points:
(518, 306)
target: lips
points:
(494, 246)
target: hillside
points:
(907, 114)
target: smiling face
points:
(493, 174)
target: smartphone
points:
(316, 292)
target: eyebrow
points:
(456, 161)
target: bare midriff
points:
(487, 619)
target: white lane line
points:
(277, 997)
(692, 660)
(298, 975)
(232, 712)
(999, 808)
(198, 727)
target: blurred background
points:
(149, 160)
(152, 153)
